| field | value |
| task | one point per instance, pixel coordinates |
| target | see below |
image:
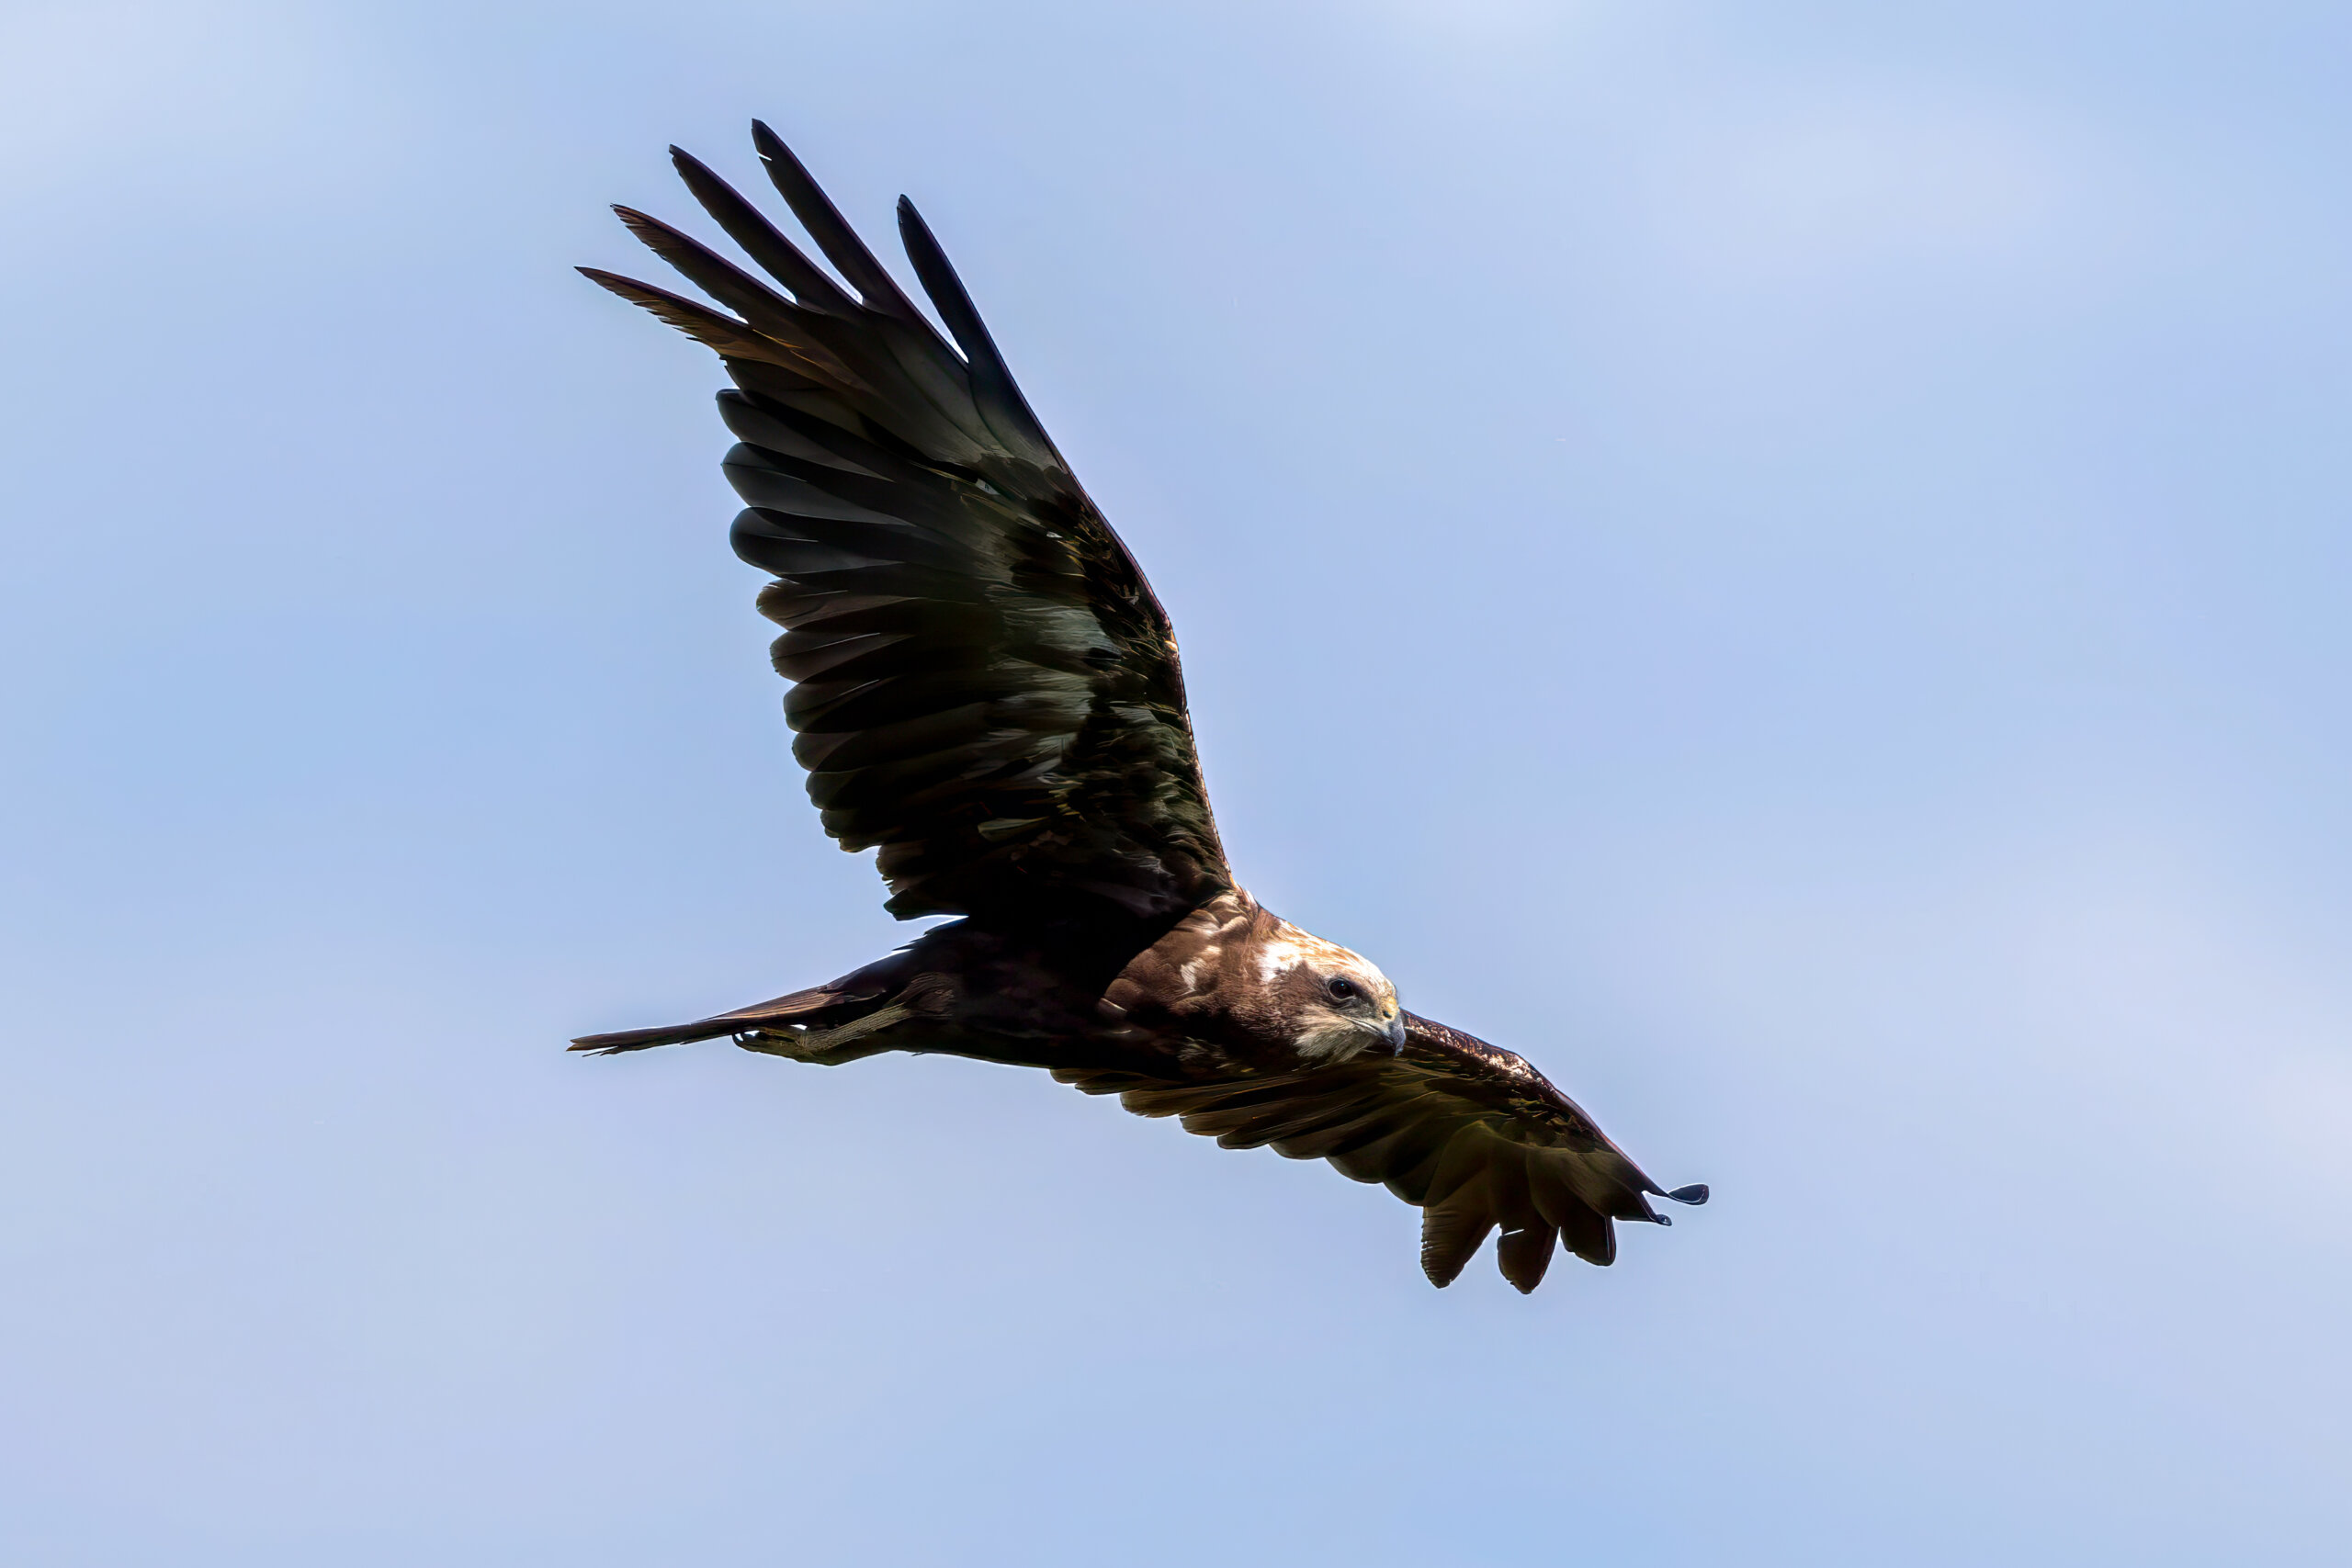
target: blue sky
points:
(1787, 562)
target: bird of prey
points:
(986, 690)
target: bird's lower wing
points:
(1470, 1133)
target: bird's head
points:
(1331, 1003)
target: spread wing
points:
(987, 689)
(1470, 1133)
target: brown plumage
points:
(987, 692)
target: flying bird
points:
(987, 692)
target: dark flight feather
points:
(1525, 1253)
(999, 399)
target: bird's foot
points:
(824, 1047)
(810, 1045)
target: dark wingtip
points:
(690, 167)
(635, 222)
(773, 149)
(1694, 1194)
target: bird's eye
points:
(1342, 989)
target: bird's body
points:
(989, 694)
(1231, 990)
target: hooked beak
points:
(1394, 1032)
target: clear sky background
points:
(1788, 560)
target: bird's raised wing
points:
(1468, 1133)
(988, 690)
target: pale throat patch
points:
(1335, 1044)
